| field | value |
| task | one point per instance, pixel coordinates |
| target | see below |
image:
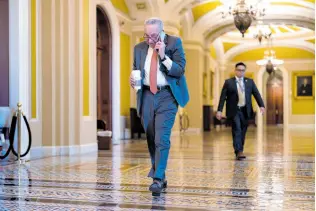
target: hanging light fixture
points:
(269, 60)
(243, 12)
(262, 31)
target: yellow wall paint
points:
(33, 59)
(125, 72)
(281, 53)
(247, 74)
(120, 5)
(229, 45)
(213, 52)
(302, 106)
(294, 28)
(272, 30)
(86, 71)
(202, 9)
(283, 30)
(312, 40)
(181, 32)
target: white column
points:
(219, 82)
(19, 45)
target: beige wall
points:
(194, 75)
(47, 104)
(60, 38)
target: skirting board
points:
(194, 130)
(302, 126)
(40, 152)
(189, 130)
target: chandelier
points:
(269, 60)
(243, 12)
(262, 31)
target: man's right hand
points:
(132, 81)
(219, 115)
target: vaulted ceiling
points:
(292, 23)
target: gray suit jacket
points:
(175, 76)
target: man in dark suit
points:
(305, 89)
(161, 60)
(237, 93)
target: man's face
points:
(240, 71)
(305, 81)
(152, 34)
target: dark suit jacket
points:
(305, 90)
(230, 95)
(175, 76)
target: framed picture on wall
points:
(211, 84)
(204, 84)
(303, 84)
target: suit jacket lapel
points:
(246, 84)
(143, 55)
(235, 85)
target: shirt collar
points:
(237, 79)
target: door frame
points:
(267, 85)
(115, 62)
(286, 95)
(109, 84)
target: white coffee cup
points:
(137, 78)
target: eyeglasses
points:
(240, 70)
(154, 38)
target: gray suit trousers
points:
(158, 114)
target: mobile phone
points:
(161, 38)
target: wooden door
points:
(4, 53)
(275, 102)
(104, 82)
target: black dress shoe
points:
(165, 183)
(157, 187)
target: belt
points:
(241, 107)
(159, 88)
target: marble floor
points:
(202, 174)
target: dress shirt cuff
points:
(167, 62)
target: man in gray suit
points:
(161, 60)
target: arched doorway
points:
(274, 90)
(104, 69)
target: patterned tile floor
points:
(202, 174)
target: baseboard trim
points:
(194, 130)
(41, 152)
(301, 126)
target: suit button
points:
(178, 83)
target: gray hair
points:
(152, 21)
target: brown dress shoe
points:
(240, 156)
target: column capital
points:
(193, 44)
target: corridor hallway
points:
(202, 174)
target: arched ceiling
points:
(292, 23)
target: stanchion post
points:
(19, 113)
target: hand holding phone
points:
(160, 46)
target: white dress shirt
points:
(241, 94)
(161, 79)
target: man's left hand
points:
(160, 46)
(262, 110)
